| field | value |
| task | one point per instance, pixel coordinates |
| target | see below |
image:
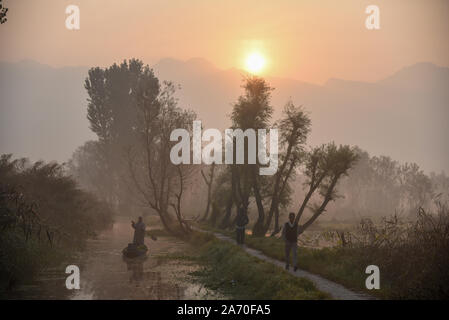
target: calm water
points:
(105, 274)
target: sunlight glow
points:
(255, 62)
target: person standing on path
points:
(240, 224)
(290, 233)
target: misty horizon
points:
(203, 60)
(196, 72)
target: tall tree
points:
(252, 110)
(160, 182)
(294, 128)
(416, 187)
(3, 12)
(113, 116)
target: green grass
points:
(342, 265)
(337, 264)
(230, 270)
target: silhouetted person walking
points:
(240, 222)
(139, 231)
(290, 236)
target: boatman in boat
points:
(139, 231)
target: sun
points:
(255, 62)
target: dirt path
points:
(336, 290)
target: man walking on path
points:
(290, 236)
(241, 222)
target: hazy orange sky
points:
(308, 40)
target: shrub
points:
(43, 214)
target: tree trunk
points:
(258, 229)
(226, 219)
(209, 183)
(322, 207)
(277, 229)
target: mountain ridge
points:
(403, 115)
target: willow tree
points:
(160, 182)
(324, 168)
(294, 128)
(252, 110)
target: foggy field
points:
(253, 150)
(414, 251)
(351, 209)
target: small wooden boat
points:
(134, 250)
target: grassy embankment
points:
(342, 265)
(228, 269)
(411, 255)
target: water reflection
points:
(106, 274)
(136, 267)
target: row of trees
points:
(379, 186)
(133, 116)
(368, 186)
(238, 185)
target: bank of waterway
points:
(104, 274)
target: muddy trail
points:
(105, 274)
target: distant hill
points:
(421, 76)
(43, 109)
